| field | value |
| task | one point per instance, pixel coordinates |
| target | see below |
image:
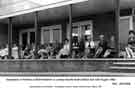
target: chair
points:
(130, 53)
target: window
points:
(27, 36)
(126, 24)
(46, 36)
(51, 34)
(24, 39)
(32, 37)
(82, 29)
(56, 34)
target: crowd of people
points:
(81, 48)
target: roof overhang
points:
(59, 11)
(49, 4)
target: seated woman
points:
(64, 52)
(102, 47)
(50, 50)
(111, 51)
(5, 52)
(15, 51)
(56, 48)
(33, 51)
(2, 52)
(43, 53)
(81, 42)
(131, 40)
(130, 49)
(27, 53)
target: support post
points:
(117, 20)
(9, 37)
(133, 17)
(36, 33)
(70, 27)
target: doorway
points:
(27, 37)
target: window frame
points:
(78, 24)
(28, 33)
(51, 28)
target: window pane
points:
(75, 31)
(32, 37)
(46, 36)
(56, 35)
(123, 32)
(24, 39)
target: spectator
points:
(102, 47)
(27, 53)
(75, 47)
(15, 54)
(131, 39)
(50, 50)
(111, 51)
(90, 47)
(130, 49)
(64, 52)
(81, 47)
(43, 53)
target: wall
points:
(103, 24)
(67, 65)
(64, 31)
(3, 34)
(58, 65)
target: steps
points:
(125, 66)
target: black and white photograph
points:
(67, 38)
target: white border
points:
(67, 74)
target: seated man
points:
(90, 47)
(81, 47)
(75, 47)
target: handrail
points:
(97, 59)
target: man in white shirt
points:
(89, 47)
